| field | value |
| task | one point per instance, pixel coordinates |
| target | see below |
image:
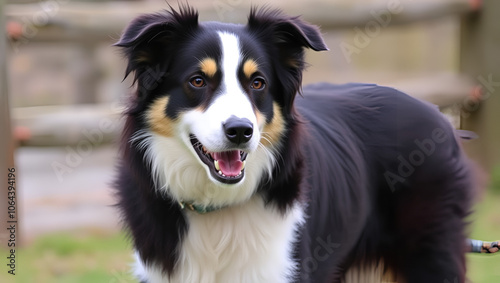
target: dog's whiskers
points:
(274, 156)
(267, 137)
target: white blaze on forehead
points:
(231, 59)
(232, 98)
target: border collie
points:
(226, 175)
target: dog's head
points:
(213, 99)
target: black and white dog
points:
(228, 176)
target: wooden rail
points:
(95, 124)
(70, 125)
(104, 21)
(444, 90)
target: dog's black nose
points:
(238, 130)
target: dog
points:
(228, 175)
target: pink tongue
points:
(229, 162)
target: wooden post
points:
(479, 47)
(6, 142)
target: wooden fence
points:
(90, 23)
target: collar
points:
(197, 208)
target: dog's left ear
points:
(149, 41)
(289, 36)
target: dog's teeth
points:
(220, 173)
(243, 166)
(216, 163)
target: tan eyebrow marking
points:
(208, 66)
(250, 67)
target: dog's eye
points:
(258, 83)
(197, 82)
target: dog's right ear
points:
(147, 40)
(286, 38)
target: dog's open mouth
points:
(226, 167)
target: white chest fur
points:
(246, 243)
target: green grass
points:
(95, 257)
(73, 258)
(484, 268)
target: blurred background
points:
(62, 95)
